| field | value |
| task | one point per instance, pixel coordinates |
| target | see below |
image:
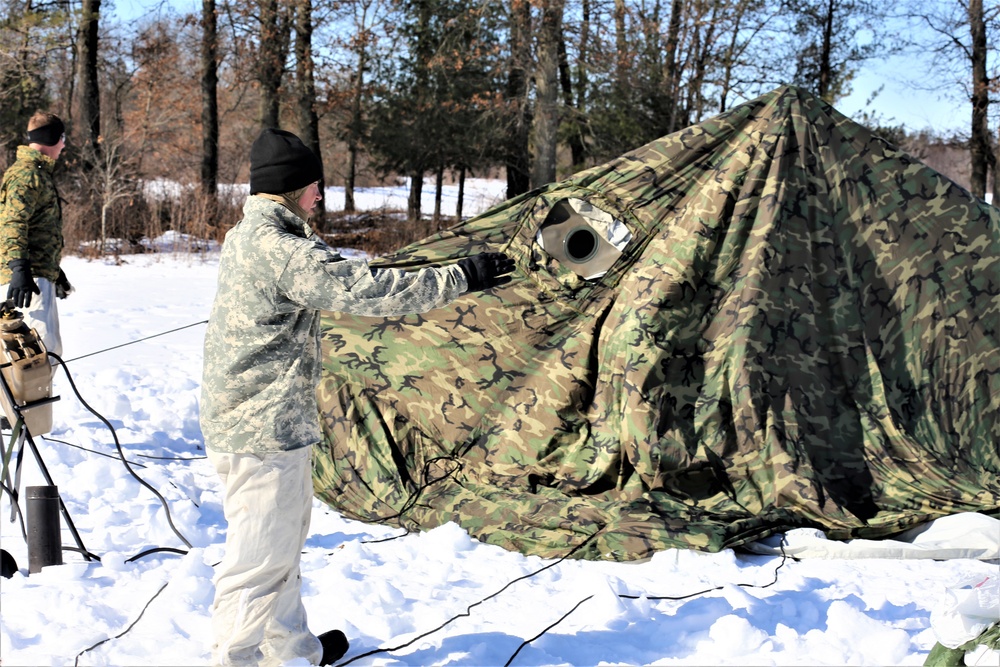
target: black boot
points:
(335, 645)
(8, 566)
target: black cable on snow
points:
(86, 553)
(386, 539)
(133, 342)
(153, 551)
(76, 661)
(88, 450)
(468, 610)
(172, 458)
(561, 619)
(784, 557)
(134, 454)
(121, 453)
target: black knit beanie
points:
(280, 163)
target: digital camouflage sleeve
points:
(261, 364)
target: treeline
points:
(529, 90)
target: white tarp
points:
(967, 612)
(967, 535)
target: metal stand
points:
(22, 436)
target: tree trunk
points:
(996, 171)
(349, 178)
(671, 69)
(422, 50)
(353, 133)
(826, 56)
(979, 140)
(461, 195)
(274, 36)
(209, 104)
(308, 120)
(416, 193)
(104, 226)
(582, 80)
(89, 116)
(729, 60)
(704, 55)
(517, 160)
(546, 120)
(355, 128)
(438, 187)
(575, 135)
(621, 46)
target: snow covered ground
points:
(433, 598)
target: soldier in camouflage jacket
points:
(31, 239)
(259, 413)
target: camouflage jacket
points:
(262, 348)
(30, 215)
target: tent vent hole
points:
(581, 244)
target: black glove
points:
(486, 270)
(63, 288)
(22, 284)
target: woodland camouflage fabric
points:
(30, 216)
(802, 331)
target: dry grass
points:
(133, 222)
(379, 232)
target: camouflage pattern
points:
(261, 361)
(30, 216)
(804, 330)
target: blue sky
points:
(902, 103)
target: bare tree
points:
(209, 101)
(89, 105)
(738, 63)
(308, 120)
(996, 169)
(110, 179)
(516, 159)
(274, 37)
(980, 151)
(159, 99)
(547, 112)
(672, 68)
(704, 50)
(367, 15)
(826, 47)
(623, 58)
(575, 101)
(422, 53)
(965, 33)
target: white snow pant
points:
(257, 616)
(42, 314)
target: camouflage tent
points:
(771, 319)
